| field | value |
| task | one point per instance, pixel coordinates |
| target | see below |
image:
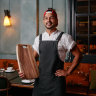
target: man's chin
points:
(49, 28)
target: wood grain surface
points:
(26, 61)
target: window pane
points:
(93, 35)
(93, 25)
(93, 6)
(82, 25)
(82, 43)
(82, 6)
(82, 33)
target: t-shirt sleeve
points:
(36, 44)
(70, 43)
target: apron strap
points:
(60, 35)
(58, 38)
(40, 38)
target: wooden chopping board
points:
(26, 61)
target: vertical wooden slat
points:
(37, 17)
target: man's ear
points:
(57, 22)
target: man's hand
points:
(61, 73)
(21, 75)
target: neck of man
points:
(50, 31)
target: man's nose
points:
(49, 19)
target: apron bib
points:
(48, 84)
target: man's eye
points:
(49, 18)
(52, 17)
(45, 18)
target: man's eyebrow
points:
(52, 16)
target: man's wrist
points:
(68, 73)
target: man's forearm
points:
(73, 65)
(77, 57)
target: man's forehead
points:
(49, 14)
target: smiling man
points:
(51, 47)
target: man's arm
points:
(35, 54)
(77, 56)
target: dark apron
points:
(48, 84)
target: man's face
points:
(50, 21)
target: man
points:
(51, 47)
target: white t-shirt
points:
(66, 43)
